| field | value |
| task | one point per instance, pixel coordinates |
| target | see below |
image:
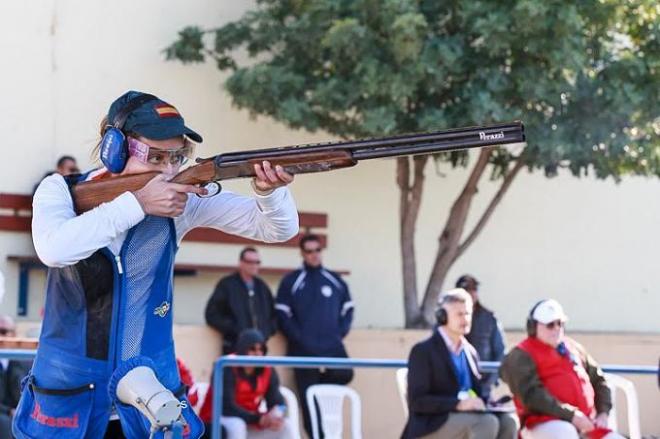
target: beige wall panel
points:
(592, 245)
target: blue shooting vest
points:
(104, 315)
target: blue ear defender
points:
(113, 147)
(114, 153)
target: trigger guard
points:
(213, 188)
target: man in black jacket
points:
(241, 301)
(445, 396)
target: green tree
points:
(582, 75)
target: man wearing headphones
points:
(559, 390)
(445, 396)
(109, 286)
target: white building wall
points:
(592, 245)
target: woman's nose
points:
(171, 168)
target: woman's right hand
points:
(270, 421)
(265, 421)
(159, 197)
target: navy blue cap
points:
(154, 119)
(248, 338)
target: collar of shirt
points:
(310, 268)
(454, 348)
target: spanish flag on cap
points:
(166, 110)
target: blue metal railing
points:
(341, 363)
(313, 362)
(18, 354)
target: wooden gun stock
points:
(303, 159)
(89, 194)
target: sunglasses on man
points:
(555, 324)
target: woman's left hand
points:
(269, 178)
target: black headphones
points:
(114, 148)
(441, 315)
(531, 323)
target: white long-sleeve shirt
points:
(62, 238)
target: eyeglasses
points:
(156, 156)
(248, 261)
(309, 251)
(555, 324)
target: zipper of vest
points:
(120, 269)
(113, 354)
(115, 350)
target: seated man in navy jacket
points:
(445, 398)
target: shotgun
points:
(303, 159)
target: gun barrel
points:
(438, 144)
(419, 143)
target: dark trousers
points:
(5, 426)
(308, 377)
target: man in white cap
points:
(559, 390)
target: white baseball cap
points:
(548, 311)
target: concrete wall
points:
(382, 412)
(587, 243)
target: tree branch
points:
(491, 207)
(450, 237)
(410, 201)
(403, 181)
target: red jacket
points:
(187, 380)
(564, 377)
(247, 397)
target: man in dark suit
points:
(445, 396)
(241, 301)
(12, 373)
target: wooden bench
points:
(28, 263)
(16, 216)
(18, 343)
(15, 212)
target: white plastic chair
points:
(402, 386)
(202, 388)
(330, 398)
(616, 382)
(292, 409)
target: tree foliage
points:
(583, 76)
